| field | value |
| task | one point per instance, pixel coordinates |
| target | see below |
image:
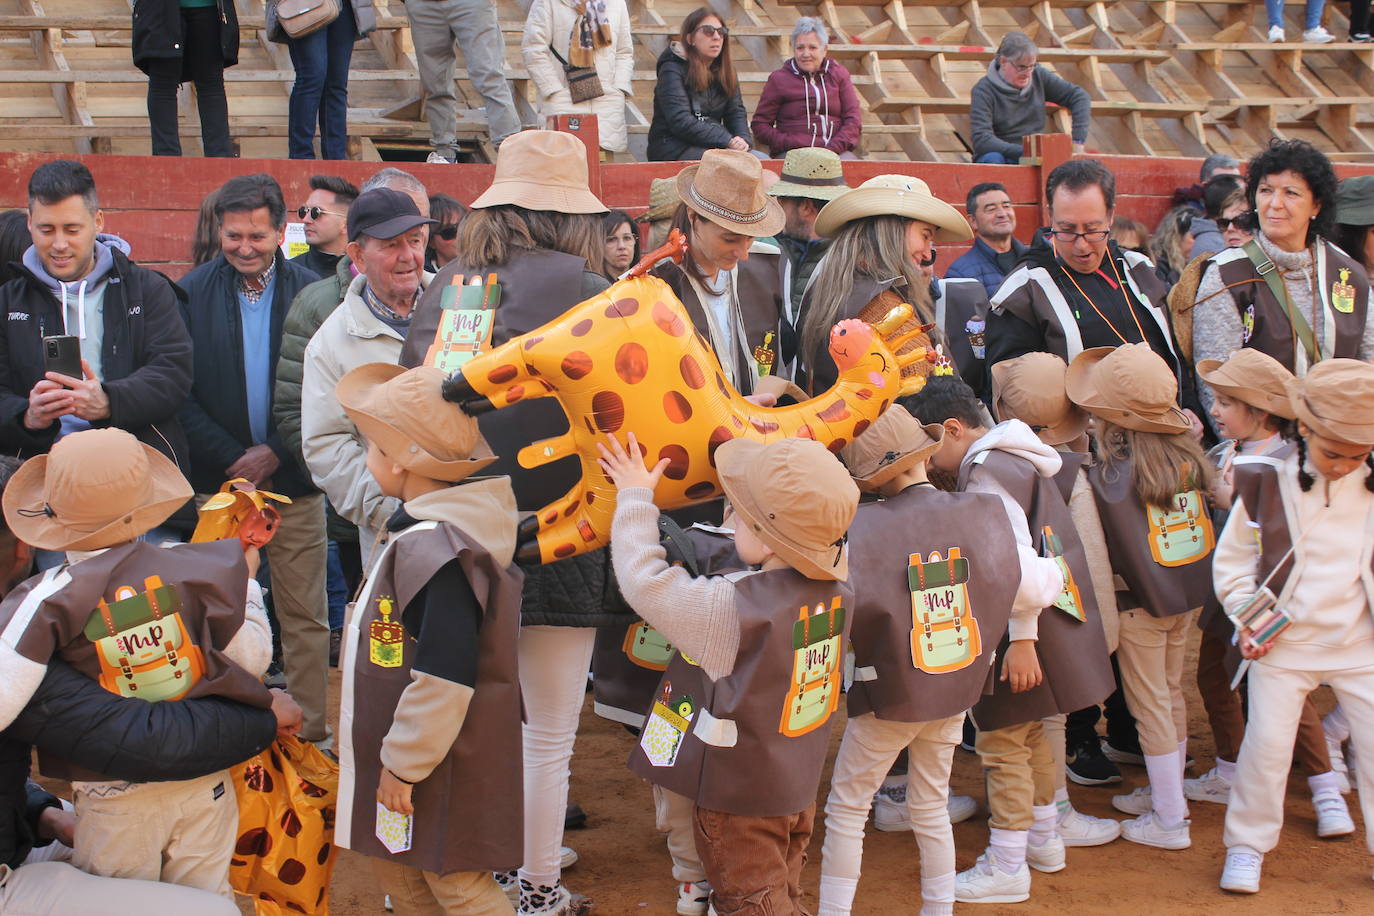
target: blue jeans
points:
(993, 159)
(320, 93)
(1273, 10)
(335, 587)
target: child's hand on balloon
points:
(625, 465)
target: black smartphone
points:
(62, 353)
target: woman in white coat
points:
(582, 33)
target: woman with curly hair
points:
(1290, 292)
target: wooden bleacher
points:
(1167, 77)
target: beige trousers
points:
(179, 832)
(58, 889)
(297, 556)
(673, 816)
(1054, 727)
(1019, 767)
(1151, 658)
(423, 893)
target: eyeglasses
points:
(1022, 68)
(1244, 222)
(713, 30)
(1095, 237)
(316, 212)
(448, 233)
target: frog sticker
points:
(666, 726)
(817, 668)
(142, 643)
(1182, 533)
(944, 635)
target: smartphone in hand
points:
(62, 353)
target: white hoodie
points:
(1041, 580)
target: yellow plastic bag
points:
(285, 851)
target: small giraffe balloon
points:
(629, 360)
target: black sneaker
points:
(970, 739)
(1131, 754)
(1085, 764)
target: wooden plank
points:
(983, 53)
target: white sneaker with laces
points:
(889, 809)
(1148, 831)
(1079, 829)
(1241, 874)
(1317, 36)
(692, 898)
(1209, 787)
(986, 883)
(1141, 801)
(961, 808)
(1333, 817)
(1048, 856)
(1276, 33)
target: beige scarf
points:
(591, 30)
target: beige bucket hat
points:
(726, 187)
(96, 488)
(1031, 389)
(894, 195)
(663, 200)
(796, 496)
(1130, 386)
(812, 172)
(1335, 399)
(1252, 377)
(403, 412)
(896, 442)
(541, 170)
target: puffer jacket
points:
(800, 109)
(308, 311)
(686, 121)
(550, 22)
(157, 33)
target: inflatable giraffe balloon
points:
(629, 360)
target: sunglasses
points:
(713, 30)
(316, 212)
(448, 233)
(1244, 222)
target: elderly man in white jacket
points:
(387, 238)
(547, 45)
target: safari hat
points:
(95, 488)
(896, 442)
(796, 496)
(541, 170)
(663, 200)
(1130, 386)
(812, 172)
(1335, 399)
(1252, 377)
(894, 195)
(404, 414)
(726, 187)
(1031, 389)
(1355, 201)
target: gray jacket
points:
(1001, 114)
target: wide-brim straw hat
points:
(1031, 389)
(1251, 377)
(1355, 201)
(896, 442)
(1336, 400)
(813, 172)
(663, 200)
(541, 170)
(95, 488)
(796, 497)
(1130, 386)
(894, 195)
(726, 187)
(403, 412)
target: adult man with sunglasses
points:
(325, 214)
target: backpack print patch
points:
(817, 663)
(944, 634)
(1182, 534)
(143, 645)
(1069, 600)
(646, 647)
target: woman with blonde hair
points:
(581, 57)
(697, 102)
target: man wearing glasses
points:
(1009, 103)
(995, 249)
(325, 214)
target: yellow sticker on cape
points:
(1343, 293)
(763, 355)
(386, 637)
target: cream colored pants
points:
(58, 889)
(422, 893)
(673, 816)
(1151, 658)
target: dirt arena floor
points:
(624, 865)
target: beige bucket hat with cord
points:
(1130, 386)
(894, 195)
(726, 187)
(95, 488)
(1031, 389)
(1251, 377)
(796, 497)
(894, 443)
(404, 414)
(1336, 400)
(541, 170)
(813, 172)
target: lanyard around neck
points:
(1120, 285)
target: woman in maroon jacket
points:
(808, 101)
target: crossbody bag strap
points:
(1270, 274)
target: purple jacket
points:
(802, 109)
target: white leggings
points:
(553, 678)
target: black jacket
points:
(215, 416)
(321, 264)
(686, 120)
(75, 718)
(158, 34)
(145, 358)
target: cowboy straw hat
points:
(894, 195)
(663, 200)
(541, 170)
(95, 488)
(1030, 388)
(1130, 386)
(1336, 400)
(896, 442)
(726, 187)
(812, 172)
(1251, 377)
(403, 413)
(796, 497)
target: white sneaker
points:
(961, 808)
(1276, 33)
(438, 158)
(1333, 817)
(1047, 856)
(1338, 764)
(889, 809)
(1078, 829)
(1241, 875)
(1148, 831)
(1317, 36)
(1141, 801)
(1209, 787)
(692, 898)
(567, 857)
(986, 883)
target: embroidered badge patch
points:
(1343, 293)
(764, 356)
(386, 637)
